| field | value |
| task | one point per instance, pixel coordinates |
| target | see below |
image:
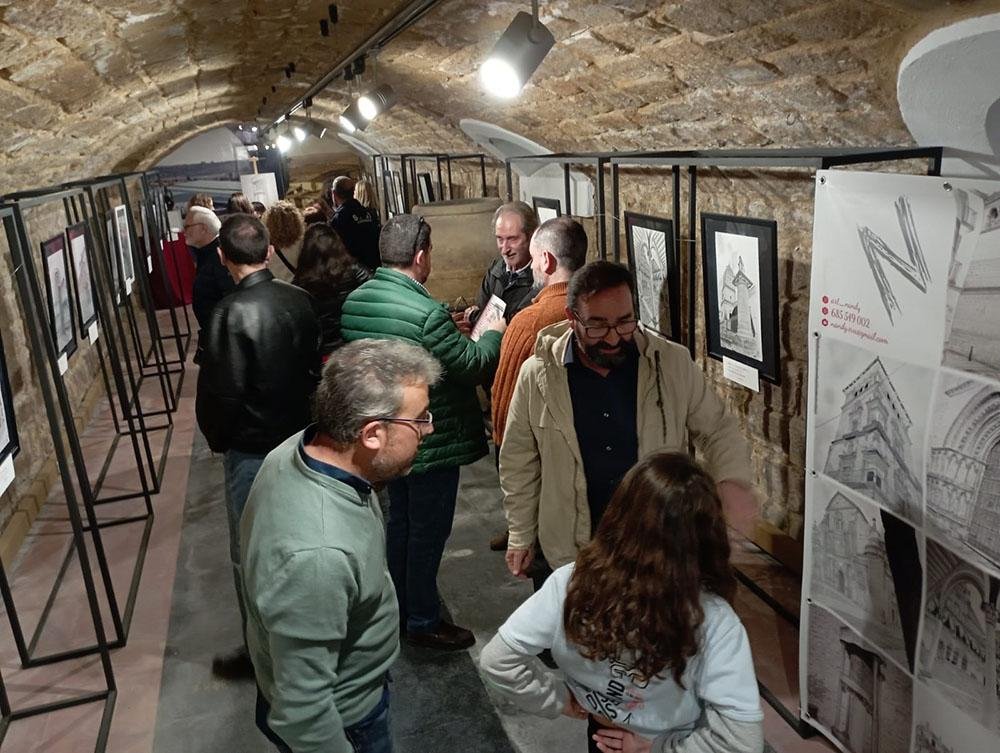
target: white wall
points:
(216, 145)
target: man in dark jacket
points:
(259, 366)
(357, 226)
(212, 282)
(395, 304)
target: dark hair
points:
(565, 239)
(239, 203)
(312, 215)
(243, 239)
(635, 594)
(594, 277)
(342, 187)
(401, 238)
(258, 208)
(325, 268)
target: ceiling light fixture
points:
(517, 55)
(377, 101)
(351, 120)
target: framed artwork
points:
(124, 244)
(61, 318)
(546, 209)
(9, 445)
(740, 262)
(397, 192)
(113, 257)
(83, 280)
(147, 239)
(655, 264)
(426, 188)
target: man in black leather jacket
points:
(259, 363)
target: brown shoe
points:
(499, 542)
(446, 637)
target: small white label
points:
(740, 373)
(128, 287)
(6, 474)
(93, 333)
(63, 363)
(149, 264)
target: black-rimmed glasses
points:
(598, 331)
(425, 420)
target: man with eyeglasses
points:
(395, 304)
(598, 394)
(322, 617)
(212, 282)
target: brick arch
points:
(976, 429)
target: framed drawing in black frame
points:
(655, 264)
(397, 191)
(546, 209)
(62, 320)
(83, 280)
(125, 245)
(426, 188)
(9, 444)
(740, 263)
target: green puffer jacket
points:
(392, 305)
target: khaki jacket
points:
(541, 472)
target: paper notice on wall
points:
(6, 474)
(492, 313)
(63, 363)
(128, 287)
(740, 373)
(93, 332)
(149, 264)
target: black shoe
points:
(234, 666)
(446, 637)
(499, 542)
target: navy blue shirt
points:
(604, 416)
(359, 484)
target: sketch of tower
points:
(737, 328)
(872, 448)
(959, 650)
(963, 472)
(851, 574)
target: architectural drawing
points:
(963, 469)
(650, 249)
(958, 652)
(738, 273)
(853, 691)
(850, 569)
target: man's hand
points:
(738, 505)
(462, 322)
(519, 560)
(621, 741)
(500, 325)
(573, 709)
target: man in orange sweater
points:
(558, 248)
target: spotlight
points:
(283, 143)
(516, 55)
(351, 120)
(303, 129)
(376, 102)
(253, 129)
(300, 133)
(324, 27)
(359, 65)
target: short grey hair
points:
(565, 239)
(207, 217)
(529, 219)
(363, 380)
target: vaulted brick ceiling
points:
(93, 87)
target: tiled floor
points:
(185, 612)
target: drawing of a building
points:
(927, 742)
(959, 650)
(851, 573)
(736, 326)
(963, 473)
(872, 448)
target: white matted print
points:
(124, 242)
(60, 304)
(869, 424)
(737, 282)
(963, 468)
(82, 278)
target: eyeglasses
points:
(426, 420)
(188, 227)
(599, 331)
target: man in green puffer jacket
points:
(395, 304)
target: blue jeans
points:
(421, 511)
(240, 469)
(370, 735)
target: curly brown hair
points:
(635, 594)
(285, 225)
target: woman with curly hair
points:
(328, 273)
(641, 626)
(285, 227)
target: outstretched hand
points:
(621, 741)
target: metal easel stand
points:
(383, 161)
(44, 351)
(121, 619)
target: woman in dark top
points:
(328, 273)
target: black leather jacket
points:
(259, 362)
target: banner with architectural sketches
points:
(899, 642)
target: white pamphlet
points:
(93, 333)
(492, 312)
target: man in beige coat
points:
(599, 393)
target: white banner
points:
(899, 637)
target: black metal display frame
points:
(115, 337)
(412, 158)
(44, 351)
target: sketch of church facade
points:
(860, 697)
(926, 741)
(973, 298)
(963, 469)
(872, 449)
(737, 328)
(958, 654)
(851, 575)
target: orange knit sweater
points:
(518, 344)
